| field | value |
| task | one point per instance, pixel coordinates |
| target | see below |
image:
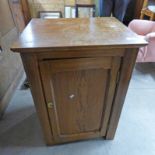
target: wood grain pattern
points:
(78, 89)
(113, 78)
(26, 11)
(146, 12)
(79, 74)
(76, 33)
(20, 12)
(84, 53)
(31, 67)
(125, 76)
(138, 8)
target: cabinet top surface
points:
(78, 33)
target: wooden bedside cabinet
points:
(79, 71)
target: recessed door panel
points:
(79, 97)
(77, 90)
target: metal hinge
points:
(118, 77)
(50, 105)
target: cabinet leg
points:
(108, 138)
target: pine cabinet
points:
(79, 71)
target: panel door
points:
(79, 94)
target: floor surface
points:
(20, 131)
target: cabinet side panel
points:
(32, 72)
(122, 87)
